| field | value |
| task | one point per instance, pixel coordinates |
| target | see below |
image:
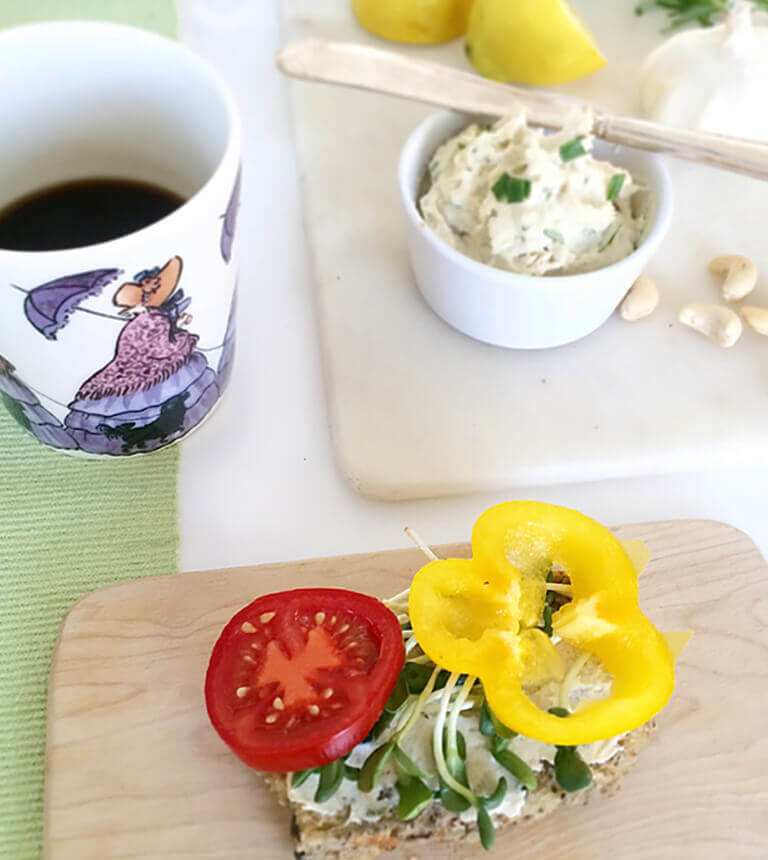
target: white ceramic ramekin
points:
(507, 309)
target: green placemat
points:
(67, 526)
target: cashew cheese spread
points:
(483, 771)
(520, 199)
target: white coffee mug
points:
(121, 347)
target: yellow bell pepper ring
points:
(481, 616)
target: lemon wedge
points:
(541, 42)
(416, 21)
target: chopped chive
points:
(513, 189)
(573, 149)
(614, 186)
(555, 236)
(608, 244)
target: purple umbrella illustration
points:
(49, 306)
(230, 220)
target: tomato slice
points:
(298, 678)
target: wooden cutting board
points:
(418, 409)
(134, 769)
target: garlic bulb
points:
(714, 79)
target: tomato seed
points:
(319, 617)
(242, 692)
(248, 658)
(255, 645)
(277, 704)
(333, 620)
(272, 718)
(327, 693)
(248, 627)
(314, 710)
(266, 617)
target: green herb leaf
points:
(456, 762)
(559, 712)
(451, 800)
(571, 771)
(517, 767)
(301, 776)
(497, 798)
(615, 185)
(492, 724)
(414, 796)
(405, 765)
(351, 773)
(461, 746)
(513, 189)
(416, 677)
(381, 724)
(486, 723)
(498, 744)
(330, 779)
(573, 149)
(555, 236)
(485, 828)
(546, 616)
(681, 12)
(371, 772)
(398, 695)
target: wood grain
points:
(135, 771)
(368, 68)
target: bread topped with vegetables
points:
(490, 692)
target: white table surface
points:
(258, 483)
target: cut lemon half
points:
(540, 42)
(416, 21)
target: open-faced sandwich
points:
(491, 691)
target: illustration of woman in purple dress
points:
(157, 386)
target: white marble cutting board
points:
(418, 409)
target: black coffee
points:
(80, 213)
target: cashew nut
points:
(719, 324)
(740, 276)
(755, 317)
(641, 300)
